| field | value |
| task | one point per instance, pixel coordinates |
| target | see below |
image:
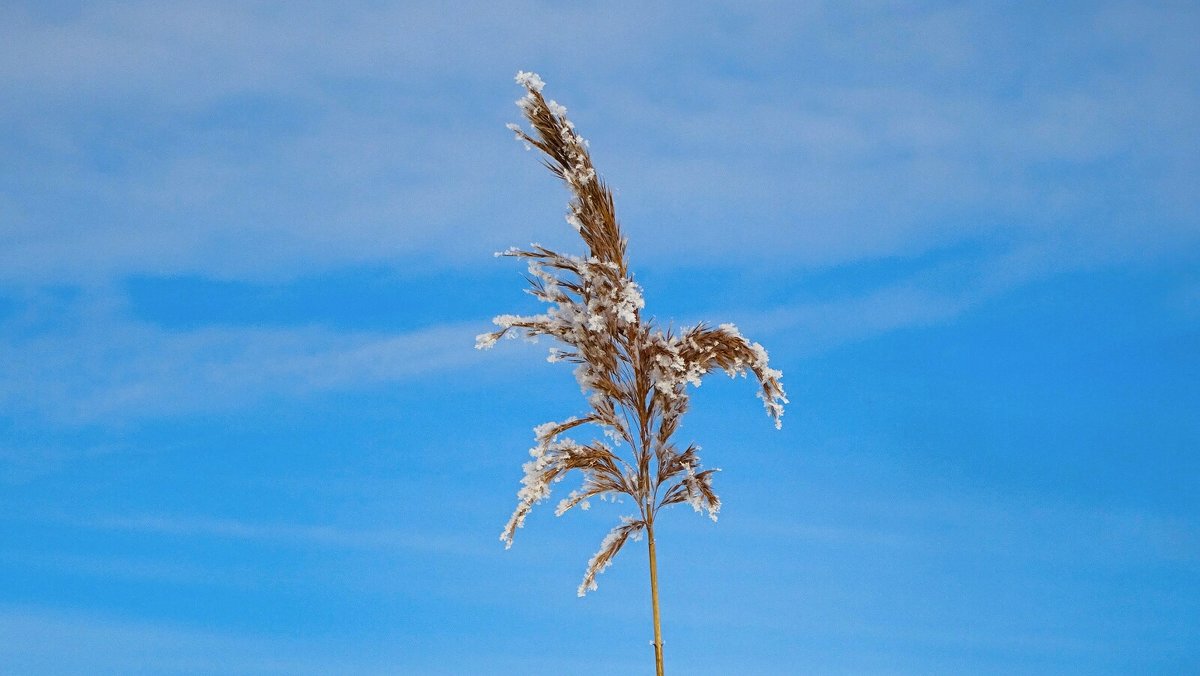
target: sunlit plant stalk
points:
(634, 374)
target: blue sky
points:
(246, 248)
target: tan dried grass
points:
(634, 374)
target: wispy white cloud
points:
(939, 293)
(126, 567)
(834, 134)
(24, 462)
(85, 362)
(324, 536)
(1001, 528)
(824, 325)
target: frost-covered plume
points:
(634, 375)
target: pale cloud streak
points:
(1003, 528)
(88, 363)
(241, 142)
(325, 536)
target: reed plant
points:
(634, 373)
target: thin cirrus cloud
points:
(301, 535)
(154, 142)
(111, 368)
(270, 156)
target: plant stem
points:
(658, 643)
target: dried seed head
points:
(634, 376)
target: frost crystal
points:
(530, 81)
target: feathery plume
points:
(634, 375)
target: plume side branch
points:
(609, 547)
